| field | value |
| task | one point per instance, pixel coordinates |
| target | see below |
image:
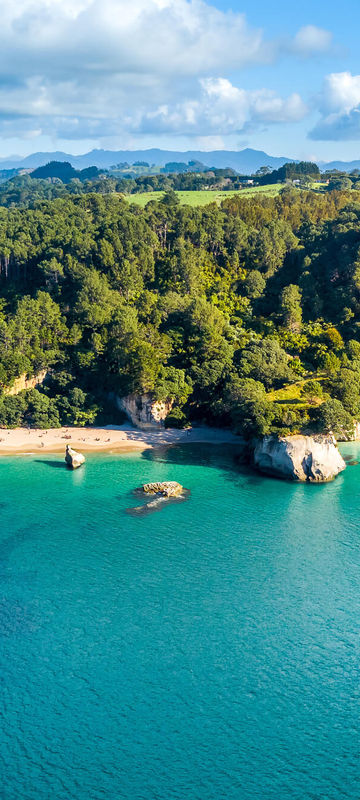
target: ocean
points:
(208, 651)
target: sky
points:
(278, 76)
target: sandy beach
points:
(112, 438)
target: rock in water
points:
(73, 458)
(165, 488)
(313, 459)
(165, 493)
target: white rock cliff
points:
(143, 411)
(310, 459)
(73, 459)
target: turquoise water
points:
(206, 652)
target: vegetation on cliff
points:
(244, 314)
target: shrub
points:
(312, 391)
(12, 410)
(332, 416)
(176, 419)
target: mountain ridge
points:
(244, 161)
(247, 160)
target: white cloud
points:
(222, 108)
(310, 40)
(77, 69)
(118, 36)
(339, 105)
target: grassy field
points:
(202, 198)
(291, 394)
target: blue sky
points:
(181, 74)
(306, 76)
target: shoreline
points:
(111, 438)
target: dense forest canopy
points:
(244, 314)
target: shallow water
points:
(206, 652)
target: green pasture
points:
(291, 394)
(203, 197)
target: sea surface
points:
(209, 651)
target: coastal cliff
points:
(23, 382)
(312, 459)
(144, 411)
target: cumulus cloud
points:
(99, 68)
(339, 105)
(310, 40)
(223, 108)
(118, 36)
(215, 108)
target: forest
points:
(244, 315)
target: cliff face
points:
(23, 382)
(143, 411)
(299, 458)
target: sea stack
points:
(73, 458)
(310, 459)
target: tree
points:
(290, 306)
(312, 391)
(12, 410)
(265, 361)
(331, 363)
(41, 411)
(172, 384)
(176, 418)
(96, 301)
(254, 284)
(346, 388)
(340, 184)
(332, 416)
(246, 403)
(263, 171)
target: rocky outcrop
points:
(165, 488)
(22, 383)
(353, 436)
(313, 459)
(162, 494)
(144, 411)
(73, 458)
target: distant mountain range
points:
(243, 161)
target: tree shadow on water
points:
(231, 458)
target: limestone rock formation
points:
(165, 488)
(144, 411)
(73, 458)
(22, 383)
(299, 458)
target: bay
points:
(207, 651)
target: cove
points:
(209, 651)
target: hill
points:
(243, 315)
(243, 161)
